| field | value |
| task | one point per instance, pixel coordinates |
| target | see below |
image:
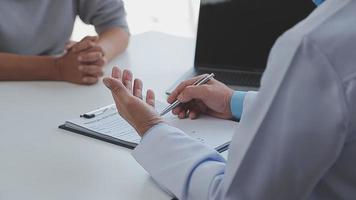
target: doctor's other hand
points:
(212, 98)
(129, 101)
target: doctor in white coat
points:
(297, 135)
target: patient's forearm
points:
(15, 67)
(113, 41)
(23, 68)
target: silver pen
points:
(177, 103)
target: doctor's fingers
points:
(116, 73)
(182, 86)
(118, 90)
(184, 110)
(183, 114)
(150, 98)
(196, 105)
(194, 114)
(137, 88)
(127, 79)
(191, 109)
(177, 110)
(200, 92)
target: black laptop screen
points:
(238, 34)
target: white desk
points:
(38, 161)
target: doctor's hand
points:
(129, 101)
(212, 99)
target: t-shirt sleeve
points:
(103, 14)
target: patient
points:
(34, 39)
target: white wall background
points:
(176, 17)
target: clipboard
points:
(107, 125)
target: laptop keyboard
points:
(236, 78)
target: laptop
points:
(234, 38)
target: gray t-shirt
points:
(42, 27)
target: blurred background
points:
(175, 17)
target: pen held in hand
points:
(177, 103)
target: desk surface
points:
(38, 161)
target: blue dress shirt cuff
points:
(236, 104)
(318, 2)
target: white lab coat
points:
(297, 135)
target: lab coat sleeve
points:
(178, 162)
(248, 101)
